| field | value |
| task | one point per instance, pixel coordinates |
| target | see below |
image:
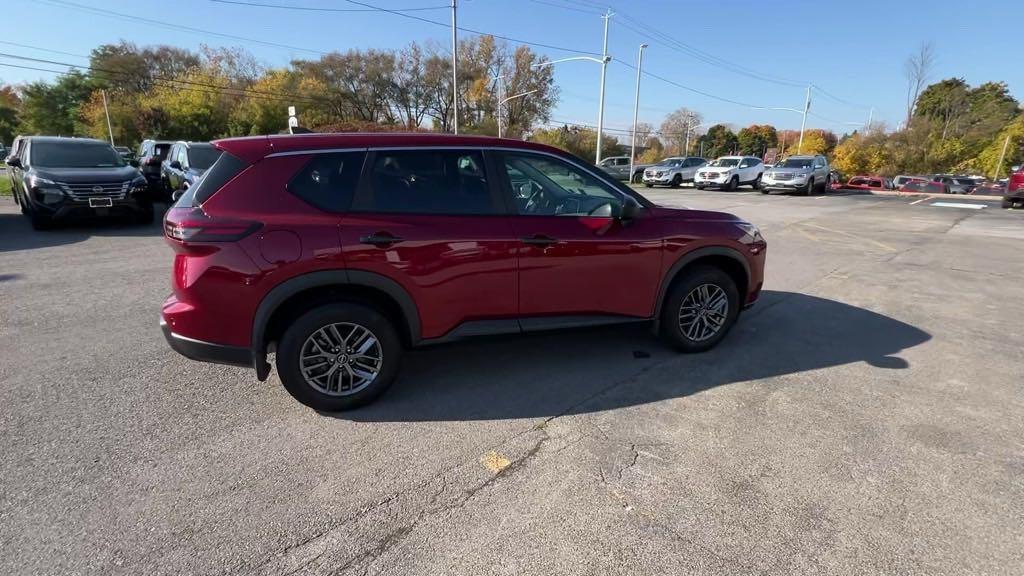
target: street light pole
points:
(500, 82)
(499, 78)
(803, 123)
(110, 130)
(455, 69)
(636, 111)
(604, 71)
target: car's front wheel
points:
(339, 356)
(700, 309)
(677, 181)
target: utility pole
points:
(1002, 156)
(455, 69)
(636, 111)
(499, 105)
(689, 124)
(106, 113)
(803, 123)
(604, 70)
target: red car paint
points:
(868, 183)
(237, 249)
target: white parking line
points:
(958, 205)
(920, 200)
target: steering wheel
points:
(532, 200)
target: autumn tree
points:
(578, 140)
(757, 138)
(719, 141)
(10, 102)
(678, 130)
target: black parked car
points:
(152, 153)
(57, 178)
(186, 163)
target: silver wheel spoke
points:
(703, 312)
(328, 367)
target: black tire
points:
(1007, 203)
(810, 187)
(765, 191)
(648, 184)
(677, 181)
(289, 353)
(637, 178)
(40, 221)
(698, 187)
(734, 183)
(689, 281)
(756, 184)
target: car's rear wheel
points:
(700, 309)
(339, 356)
(1007, 203)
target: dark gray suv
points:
(57, 178)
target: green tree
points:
(757, 138)
(719, 141)
(53, 109)
(9, 122)
(578, 140)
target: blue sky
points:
(852, 49)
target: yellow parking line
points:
(854, 236)
(806, 234)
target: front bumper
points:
(206, 351)
(664, 179)
(783, 184)
(720, 180)
(69, 208)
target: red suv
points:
(1014, 195)
(336, 252)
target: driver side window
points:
(547, 186)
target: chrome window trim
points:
(594, 171)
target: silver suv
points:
(673, 171)
(802, 174)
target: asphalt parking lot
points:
(866, 417)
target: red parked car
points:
(869, 183)
(1014, 195)
(338, 251)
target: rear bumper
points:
(207, 351)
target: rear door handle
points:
(380, 239)
(539, 240)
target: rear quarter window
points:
(223, 170)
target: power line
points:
(372, 8)
(564, 7)
(828, 94)
(319, 9)
(111, 13)
(283, 95)
(690, 88)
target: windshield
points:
(202, 157)
(725, 162)
(965, 181)
(670, 162)
(74, 155)
(796, 163)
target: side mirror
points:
(175, 164)
(177, 194)
(1015, 168)
(14, 162)
(630, 208)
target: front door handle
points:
(539, 240)
(381, 239)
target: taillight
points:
(193, 225)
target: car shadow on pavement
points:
(553, 374)
(17, 234)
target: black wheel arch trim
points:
(285, 290)
(691, 257)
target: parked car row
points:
(56, 178)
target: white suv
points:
(729, 172)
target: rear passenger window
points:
(427, 182)
(329, 180)
(223, 170)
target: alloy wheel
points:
(341, 359)
(703, 312)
